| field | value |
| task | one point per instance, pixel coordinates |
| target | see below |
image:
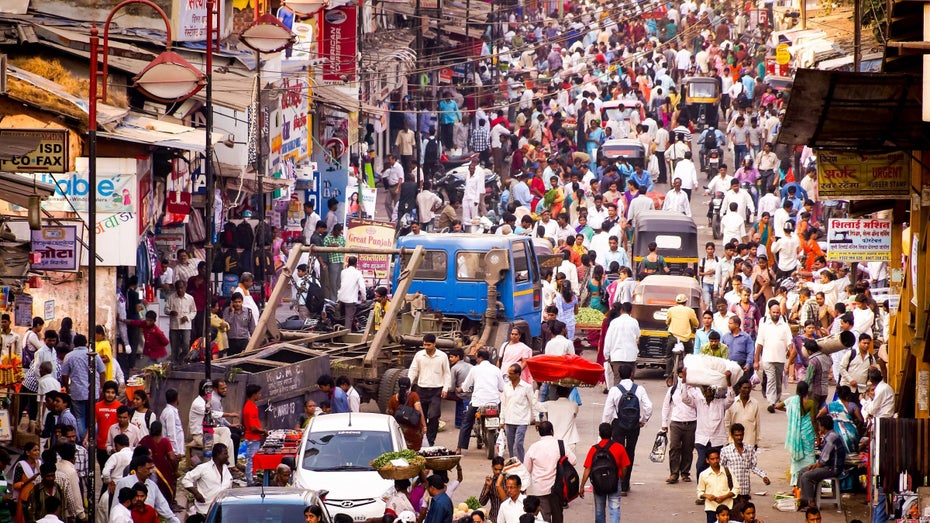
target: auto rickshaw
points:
(630, 150)
(702, 101)
(676, 238)
(652, 298)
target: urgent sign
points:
(49, 156)
(854, 176)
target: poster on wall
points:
(116, 186)
(332, 160)
(190, 22)
(58, 246)
(370, 233)
(169, 241)
(22, 310)
(287, 126)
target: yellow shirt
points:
(681, 321)
(106, 354)
(221, 327)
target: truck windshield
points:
(469, 266)
(344, 449)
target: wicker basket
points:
(390, 471)
(442, 462)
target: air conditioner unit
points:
(2, 74)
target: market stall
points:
(279, 444)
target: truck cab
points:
(456, 269)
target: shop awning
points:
(149, 131)
(17, 188)
(855, 111)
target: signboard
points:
(116, 186)
(22, 310)
(369, 233)
(190, 21)
(49, 311)
(338, 43)
(332, 163)
(169, 241)
(287, 125)
(117, 239)
(50, 156)
(782, 55)
(58, 247)
(850, 240)
(843, 175)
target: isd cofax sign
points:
(49, 156)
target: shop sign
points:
(117, 239)
(369, 233)
(287, 125)
(190, 23)
(116, 186)
(332, 164)
(50, 156)
(850, 240)
(338, 43)
(58, 247)
(853, 176)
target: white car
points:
(334, 456)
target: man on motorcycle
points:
(742, 198)
(718, 184)
(711, 138)
(485, 382)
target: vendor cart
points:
(278, 445)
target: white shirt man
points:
(622, 339)
(854, 367)
(720, 183)
(772, 344)
(881, 402)
(394, 173)
(613, 400)
(676, 200)
(768, 203)
(742, 199)
(184, 308)
(786, 249)
(173, 430)
(733, 226)
(352, 286)
(571, 273)
(559, 345)
(210, 479)
(686, 172)
(780, 217)
(497, 133)
(485, 382)
(639, 204)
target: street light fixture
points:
(306, 7)
(267, 35)
(168, 78)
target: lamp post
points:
(168, 78)
(212, 25)
(265, 35)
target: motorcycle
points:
(716, 205)
(332, 316)
(452, 185)
(712, 163)
(487, 426)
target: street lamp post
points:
(265, 35)
(168, 78)
(207, 347)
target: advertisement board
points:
(338, 43)
(49, 156)
(850, 240)
(853, 176)
(116, 186)
(58, 246)
(370, 233)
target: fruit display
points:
(589, 316)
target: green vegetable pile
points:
(473, 503)
(589, 316)
(410, 455)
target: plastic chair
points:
(835, 497)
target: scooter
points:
(487, 426)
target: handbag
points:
(407, 415)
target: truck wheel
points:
(388, 386)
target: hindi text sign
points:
(850, 240)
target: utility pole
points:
(857, 36)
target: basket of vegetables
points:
(403, 464)
(588, 318)
(440, 458)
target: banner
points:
(117, 240)
(369, 233)
(860, 241)
(49, 156)
(852, 176)
(58, 247)
(338, 43)
(116, 187)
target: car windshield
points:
(702, 90)
(344, 449)
(258, 513)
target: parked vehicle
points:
(676, 237)
(452, 184)
(652, 298)
(334, 455)
(487, 426)
(248, 505)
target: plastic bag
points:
(659, 448)
(515, 466)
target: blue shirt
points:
(644, 180)
(522, 195)
(66, 418)
(340, 401)
(440, 509)
(75, 368)
(741, 347)
(701, 339)
(448, 112)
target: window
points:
(668, 242)
(469, 266)
(521, 263)
(702, 90)
(260, 512)
(434, 265)
(344, 450)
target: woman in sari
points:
(165, 459)
(846, 417)
(413, 434)
(799, 441)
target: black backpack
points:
(431, 155)
(627, 412)
(245, 235)
(710, 141)
(567, 483)
(315, 298)
(604, 472)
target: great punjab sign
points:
(49, 156)
(852, 176)
(851, 240)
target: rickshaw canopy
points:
(675, 234)
(701, 90)
(662, 289)
(623, 148)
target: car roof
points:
(359, 421)
(270, 495)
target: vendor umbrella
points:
(568, 370)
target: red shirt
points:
(146, 514)
(616, 449)
(106, 416)
(251, 422)
(155, 340)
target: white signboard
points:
(850, 240)
(116, 186)
(117, 239)
(190, 22)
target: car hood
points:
(351, 484)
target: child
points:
(723, 514)
(156, 342)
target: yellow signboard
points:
(853, 176)
(782, 55)
(49, 156)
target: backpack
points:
(604, 473)
(566, 477)
(852, 354)
(710, 141)
(431, 154)
(315, 298)
(245, 235)
(627, 412)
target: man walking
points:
(622, 340)
(181, 310)
(716, 486)
(680, 421)
(74, 376)
(740, 460)
(605, 464)
(429, 370)
(351, 291)
(772, 344)
(207, 481)
(627, 409)
(518, 410)
(745, 411)
(711, 406)
(542, 460)
(485, 383)
(818, 372)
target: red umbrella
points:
(568, 368)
